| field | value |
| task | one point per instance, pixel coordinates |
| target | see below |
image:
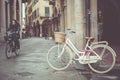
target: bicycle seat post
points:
(88, 40)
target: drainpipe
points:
(87, 11)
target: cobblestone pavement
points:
(31, 64)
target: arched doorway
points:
(111, 20)
(56, 20)
(47, 28)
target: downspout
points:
(87, 12)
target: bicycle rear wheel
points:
(108, 59)
(8, 51)
(61, 62)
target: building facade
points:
(10, 9)
(39, 11)
(73, 14)
(96, 18)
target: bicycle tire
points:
(109, 57)
(8, 51)
(59, 63)
(17, 51)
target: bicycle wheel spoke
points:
(57, 60)
(108, 59)
(8, 50)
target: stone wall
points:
(4, 22)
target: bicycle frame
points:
(82, 56)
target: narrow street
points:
(36, 20)
(31, 64)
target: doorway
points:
(47, 28)
(110, 10)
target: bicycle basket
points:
(59, 37)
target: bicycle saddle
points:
(89, 38)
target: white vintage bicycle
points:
(98, 55)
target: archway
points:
(111, 20)
(47, 28)
(55, 20)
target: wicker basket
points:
(59, 37)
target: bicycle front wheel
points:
(17, 51)
(8, 51)
(58, 61)
(108, 59)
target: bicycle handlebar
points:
(73, 32)
(70, 31)
(12, 32)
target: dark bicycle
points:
(11, 46)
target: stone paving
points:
(31, 64)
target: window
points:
(29, 1)
(34, 14)
(30, 10)
(47, 12)
(34, 2)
